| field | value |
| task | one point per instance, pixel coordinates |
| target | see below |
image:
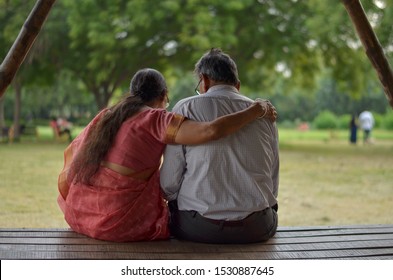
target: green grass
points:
(46, 133)
(323, 180)
(28, 193)
(329, 135)
(336, 184)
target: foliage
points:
(184, 85)
(325, 120)
(343, 121)
(294, 105)
(388, 121)
(378, 120)
(64, 98)
(284, 49)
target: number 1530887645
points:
(244, 270)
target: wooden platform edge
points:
(311, 242)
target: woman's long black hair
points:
(146, 85)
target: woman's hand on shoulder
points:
(268, 110)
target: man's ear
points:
(238, 86)
(206, 83)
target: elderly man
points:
(224, 191)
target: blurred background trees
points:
(303, 55)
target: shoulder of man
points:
(184, 103)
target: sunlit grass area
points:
(326, 136)
(323, 180)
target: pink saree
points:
(117, 207)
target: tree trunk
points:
(17, 109)
(3, 132)
(102, 99)
(373, 48)
(23, 42)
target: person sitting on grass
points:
(61, 127)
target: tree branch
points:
(372, 46)
(23, 42)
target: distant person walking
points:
(366, 121)
(353, 128)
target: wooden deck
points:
(330, 242)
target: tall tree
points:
(112, 39)
(104, 42)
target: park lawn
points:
(45, 133)
(331, 184)
(323, 181)
(28, 192)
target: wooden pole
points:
(372, 46)
(27, 35)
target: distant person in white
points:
(366, 121)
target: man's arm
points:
(172, 170)
(173, 166)
(276, 162)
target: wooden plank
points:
(338, 254)
(303, 228)
(346, 242)
(289, 240)
(285, 240)
(280, 228)
(281, 232)
(331, 246)
(331, 232)
(201, 249)
(74, 238)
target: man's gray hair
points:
(217, 66)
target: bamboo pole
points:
(23, 42)
(372, 46)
